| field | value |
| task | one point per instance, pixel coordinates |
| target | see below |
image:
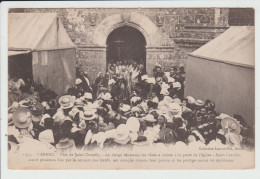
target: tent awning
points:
(235, 46)
(12, 53)
(37, 31)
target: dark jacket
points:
(85, 85)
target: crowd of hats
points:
(160, 116)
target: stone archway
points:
(136, 20)
(127, 44)
(159, 47)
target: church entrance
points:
(125, 44)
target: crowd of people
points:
(123, 108)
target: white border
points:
(9, 174)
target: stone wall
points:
(170, 33)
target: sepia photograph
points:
(131, 88)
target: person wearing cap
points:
(158, 71)
(37, 111)
(77, 90)
(66, 103)
(65, 145)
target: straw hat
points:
(124, 108)
(22, 117)
(88, 115)
(133, 124)
(65, 144)
(67, 101)
(231, 124)
(149, 118)
(199, 102)
(136, 109)
(191, 100)
(122, 132)
(174, 108)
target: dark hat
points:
(67, 124)
(177, 121)
(37, 110)
(182, 134)
(211, 106)
(48, 122)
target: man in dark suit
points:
(85, 82)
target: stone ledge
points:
(194, 26)
(189, 42)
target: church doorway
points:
(125, 44)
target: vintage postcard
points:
(131, 88)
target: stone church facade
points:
(170, 33)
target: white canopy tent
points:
(53, 52)
(223, 71)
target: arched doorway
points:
(126, 43)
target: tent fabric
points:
(55, 69)
(235, 46)
(12, 53)
(223, 71)
(231, 87)
(53, 57)
(37, 31)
